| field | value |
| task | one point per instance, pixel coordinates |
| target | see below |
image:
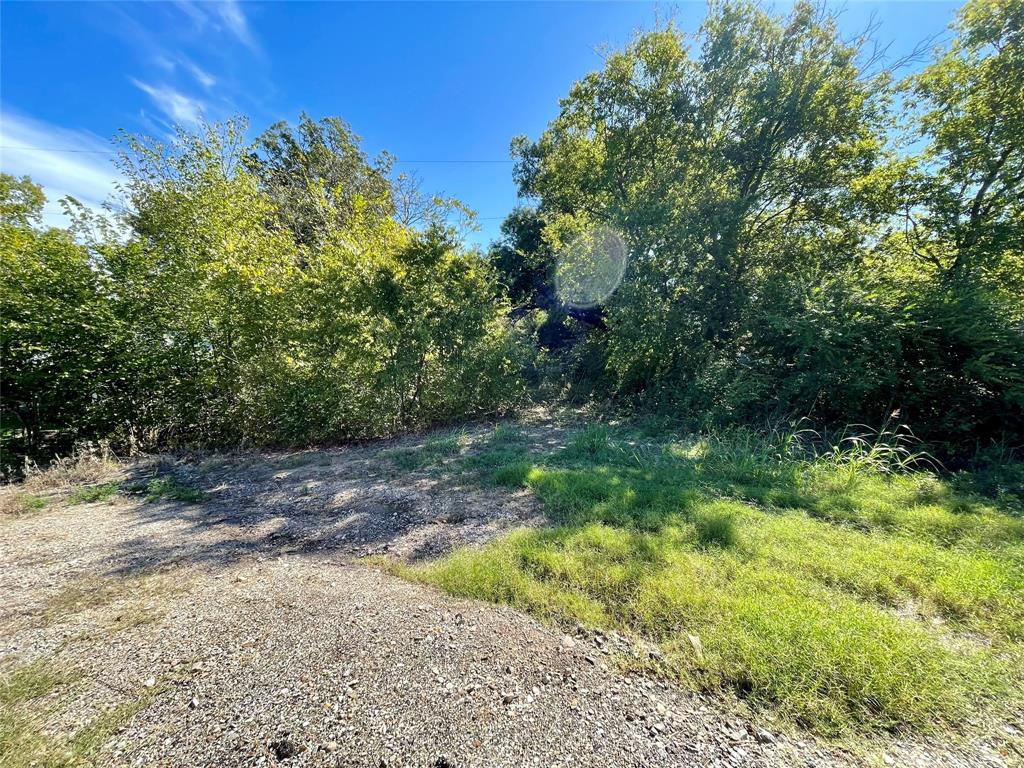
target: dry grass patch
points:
(120, 602)
(14, 502)
(90, 463)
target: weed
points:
(172, 489)
(89, 494)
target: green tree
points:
(317, 174)
(202, 285)
(722, 170)
(56, 329)
(956, 253)
(964, 208)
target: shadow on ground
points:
(337, 504)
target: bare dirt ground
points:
(244, 629)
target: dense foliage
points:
(266, 294)
(807, 237)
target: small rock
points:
(331, 746)
(764, 736)
(150, 682)
(283, 749)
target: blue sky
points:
(437, 82)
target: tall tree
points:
(318, 176)
(719, 169)
(965, 206)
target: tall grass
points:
(844, 584)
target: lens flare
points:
(591, 267)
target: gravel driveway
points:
(245, 630)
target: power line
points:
(113, 152)
(121, 209)
(454, 161)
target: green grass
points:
(172, 489)
(434, 450)
(89, 494)
(22, 742)
(33, 503)
(25, 741)
(840, 591)
(30, 681)
(501, 458)
(21, 504)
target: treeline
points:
(807, 236)
(288, 292)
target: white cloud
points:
(219, 15)
(182, 109)
(170, 63)
(231, 14)
(203, 77)
(65, 162)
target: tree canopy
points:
(788, 255)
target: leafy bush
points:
(234, 310)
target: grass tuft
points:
(433, 451)
(90, 494)
(715, 529)
(172, 489)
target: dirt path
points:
(241, 630)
